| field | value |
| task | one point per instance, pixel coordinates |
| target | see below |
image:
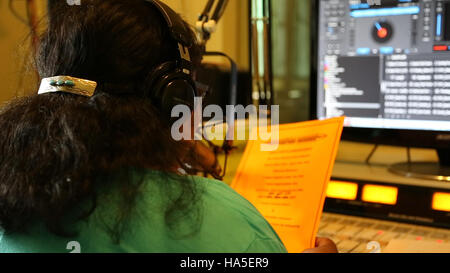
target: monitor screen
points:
(384, 64)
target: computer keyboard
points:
(353, 234)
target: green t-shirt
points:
(226, 223)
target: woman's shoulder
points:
(227, 210)
(221, 194)
(228, 221)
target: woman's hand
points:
(323, 245)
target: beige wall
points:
(231, 38)
(13, 51)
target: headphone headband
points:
(176, 26)
(171, 83)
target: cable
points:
(233, 97)
(16, 14)
(33, 22)
(227, 145)
(369, 157)
(234, 74)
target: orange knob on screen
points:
(382, 33)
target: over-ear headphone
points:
(171, 83)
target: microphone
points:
(208, 160)
(205, 26)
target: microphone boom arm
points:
(206, 24)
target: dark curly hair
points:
(57, 149)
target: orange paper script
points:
(288, 185)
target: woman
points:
(102, 171)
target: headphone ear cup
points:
(170, 87)
(155, 82)
(177, 91)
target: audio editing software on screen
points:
(385, 64)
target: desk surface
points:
(350, 164)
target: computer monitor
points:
(385, 65)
